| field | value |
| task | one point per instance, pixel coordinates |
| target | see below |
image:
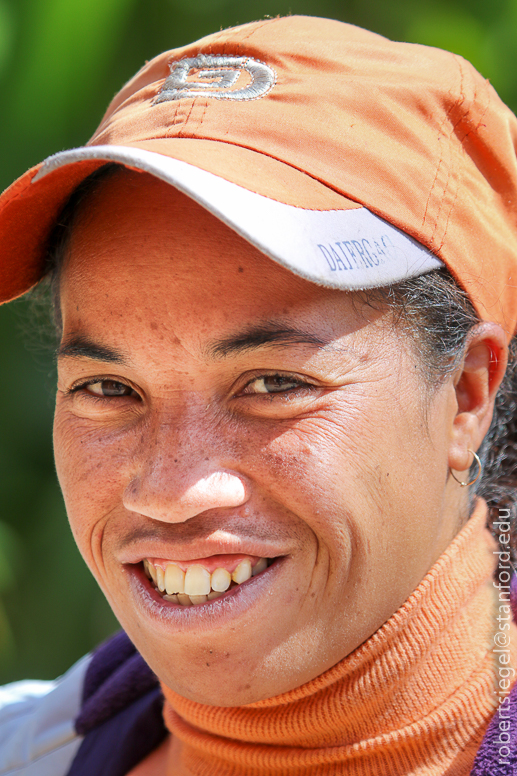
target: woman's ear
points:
(476, 383)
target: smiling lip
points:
(203, 580)
(234, 603)
(197, 552)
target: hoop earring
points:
(480, 469)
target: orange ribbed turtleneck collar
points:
(415, 698)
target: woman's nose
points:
(174, 482)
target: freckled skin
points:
(347, 478)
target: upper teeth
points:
(196, 584)
(197, 581)
(242, 572)
(220, 580)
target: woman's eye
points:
(273, 384)
(109, 388)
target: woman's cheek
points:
(90, 469)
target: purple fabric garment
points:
(116, 677)
(513, 596)
(118, 744)
(107, 658)
(121, 715)
(497, 755)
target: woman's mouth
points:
(196, 582)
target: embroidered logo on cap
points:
(220, 77)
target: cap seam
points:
(435, 179)
(445, 146)
(449, 176)
(465, 136)
(180, 110)
(186, 121)
(223, 33)
(260, 26)
(229, 36)
(202, 118)
(450, 169)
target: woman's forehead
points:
(136, 222)
(139, 249)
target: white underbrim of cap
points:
(346, 249)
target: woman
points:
(282, 276)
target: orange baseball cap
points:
(354, 161)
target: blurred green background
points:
(60, 63)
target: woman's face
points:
(211, 403)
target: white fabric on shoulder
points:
(37, 734)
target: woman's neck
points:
(418, 695)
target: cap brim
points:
(339, 245)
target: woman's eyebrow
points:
(262, 336)
(79, 346)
